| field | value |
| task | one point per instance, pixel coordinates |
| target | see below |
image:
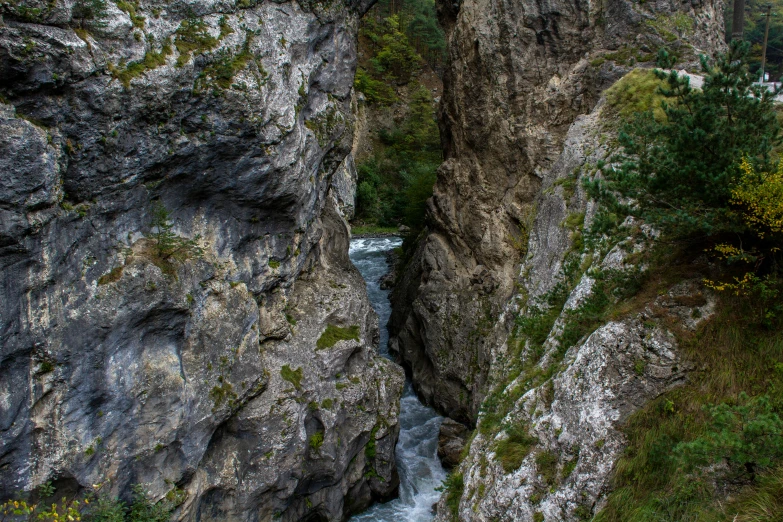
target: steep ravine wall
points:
(200, 375)
(518, 74)
(524, 121)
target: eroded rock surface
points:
(518, 74)
(191, 372)
(550, 433)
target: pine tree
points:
(169, 245)
(679, 172)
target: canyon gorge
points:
(181, 183)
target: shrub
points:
(679, 172)
(168, 245)
(747, 435)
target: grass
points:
(734, 354)
(454, 487)
(546, 464)
(636, 92)
(193, 37)
(152, 59)
(223, 394)
(111, 277)
(317, 440)
(369, 230)
(513, 450)
(333, 334)
(763, 502)
(130, 8)
(292, 376)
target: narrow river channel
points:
(417, 460)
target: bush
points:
(93, 507)
(679, 172)
(747, 435)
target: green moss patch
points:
(333, 334)
(292, 376)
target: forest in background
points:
(401, 43)
(755, 21)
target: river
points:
(417, 460)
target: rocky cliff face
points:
(502, 312)
(242, 378)
(518, 75)
(550, 431)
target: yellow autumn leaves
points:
(760, 196)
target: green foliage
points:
(333, 334)
(223, 393)
(92, 506)
(130, 8)
(763, 502)
(317, 440)
(454, 488)
(569, 467)
(748, 434)
(637, 92)
(152, 59)
(754, 27)
(417, 19)
(513, 450)
(292, 376)
(395, 184)
(728, 414)
(107, 510)
(375, 91)
(89, 13)
(546, 464)
(143, 510)
(193, 37)
(167, 245)
(679, 172)
(370, 449)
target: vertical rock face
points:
(519, 73)
(178, 369)
(549, 435)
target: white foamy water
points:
(417, 448)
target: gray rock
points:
(576, 415)
(517, 78)
(451, 442)
(202, 373)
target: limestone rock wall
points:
(199, 374)
(570, 401)
(518, 75)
